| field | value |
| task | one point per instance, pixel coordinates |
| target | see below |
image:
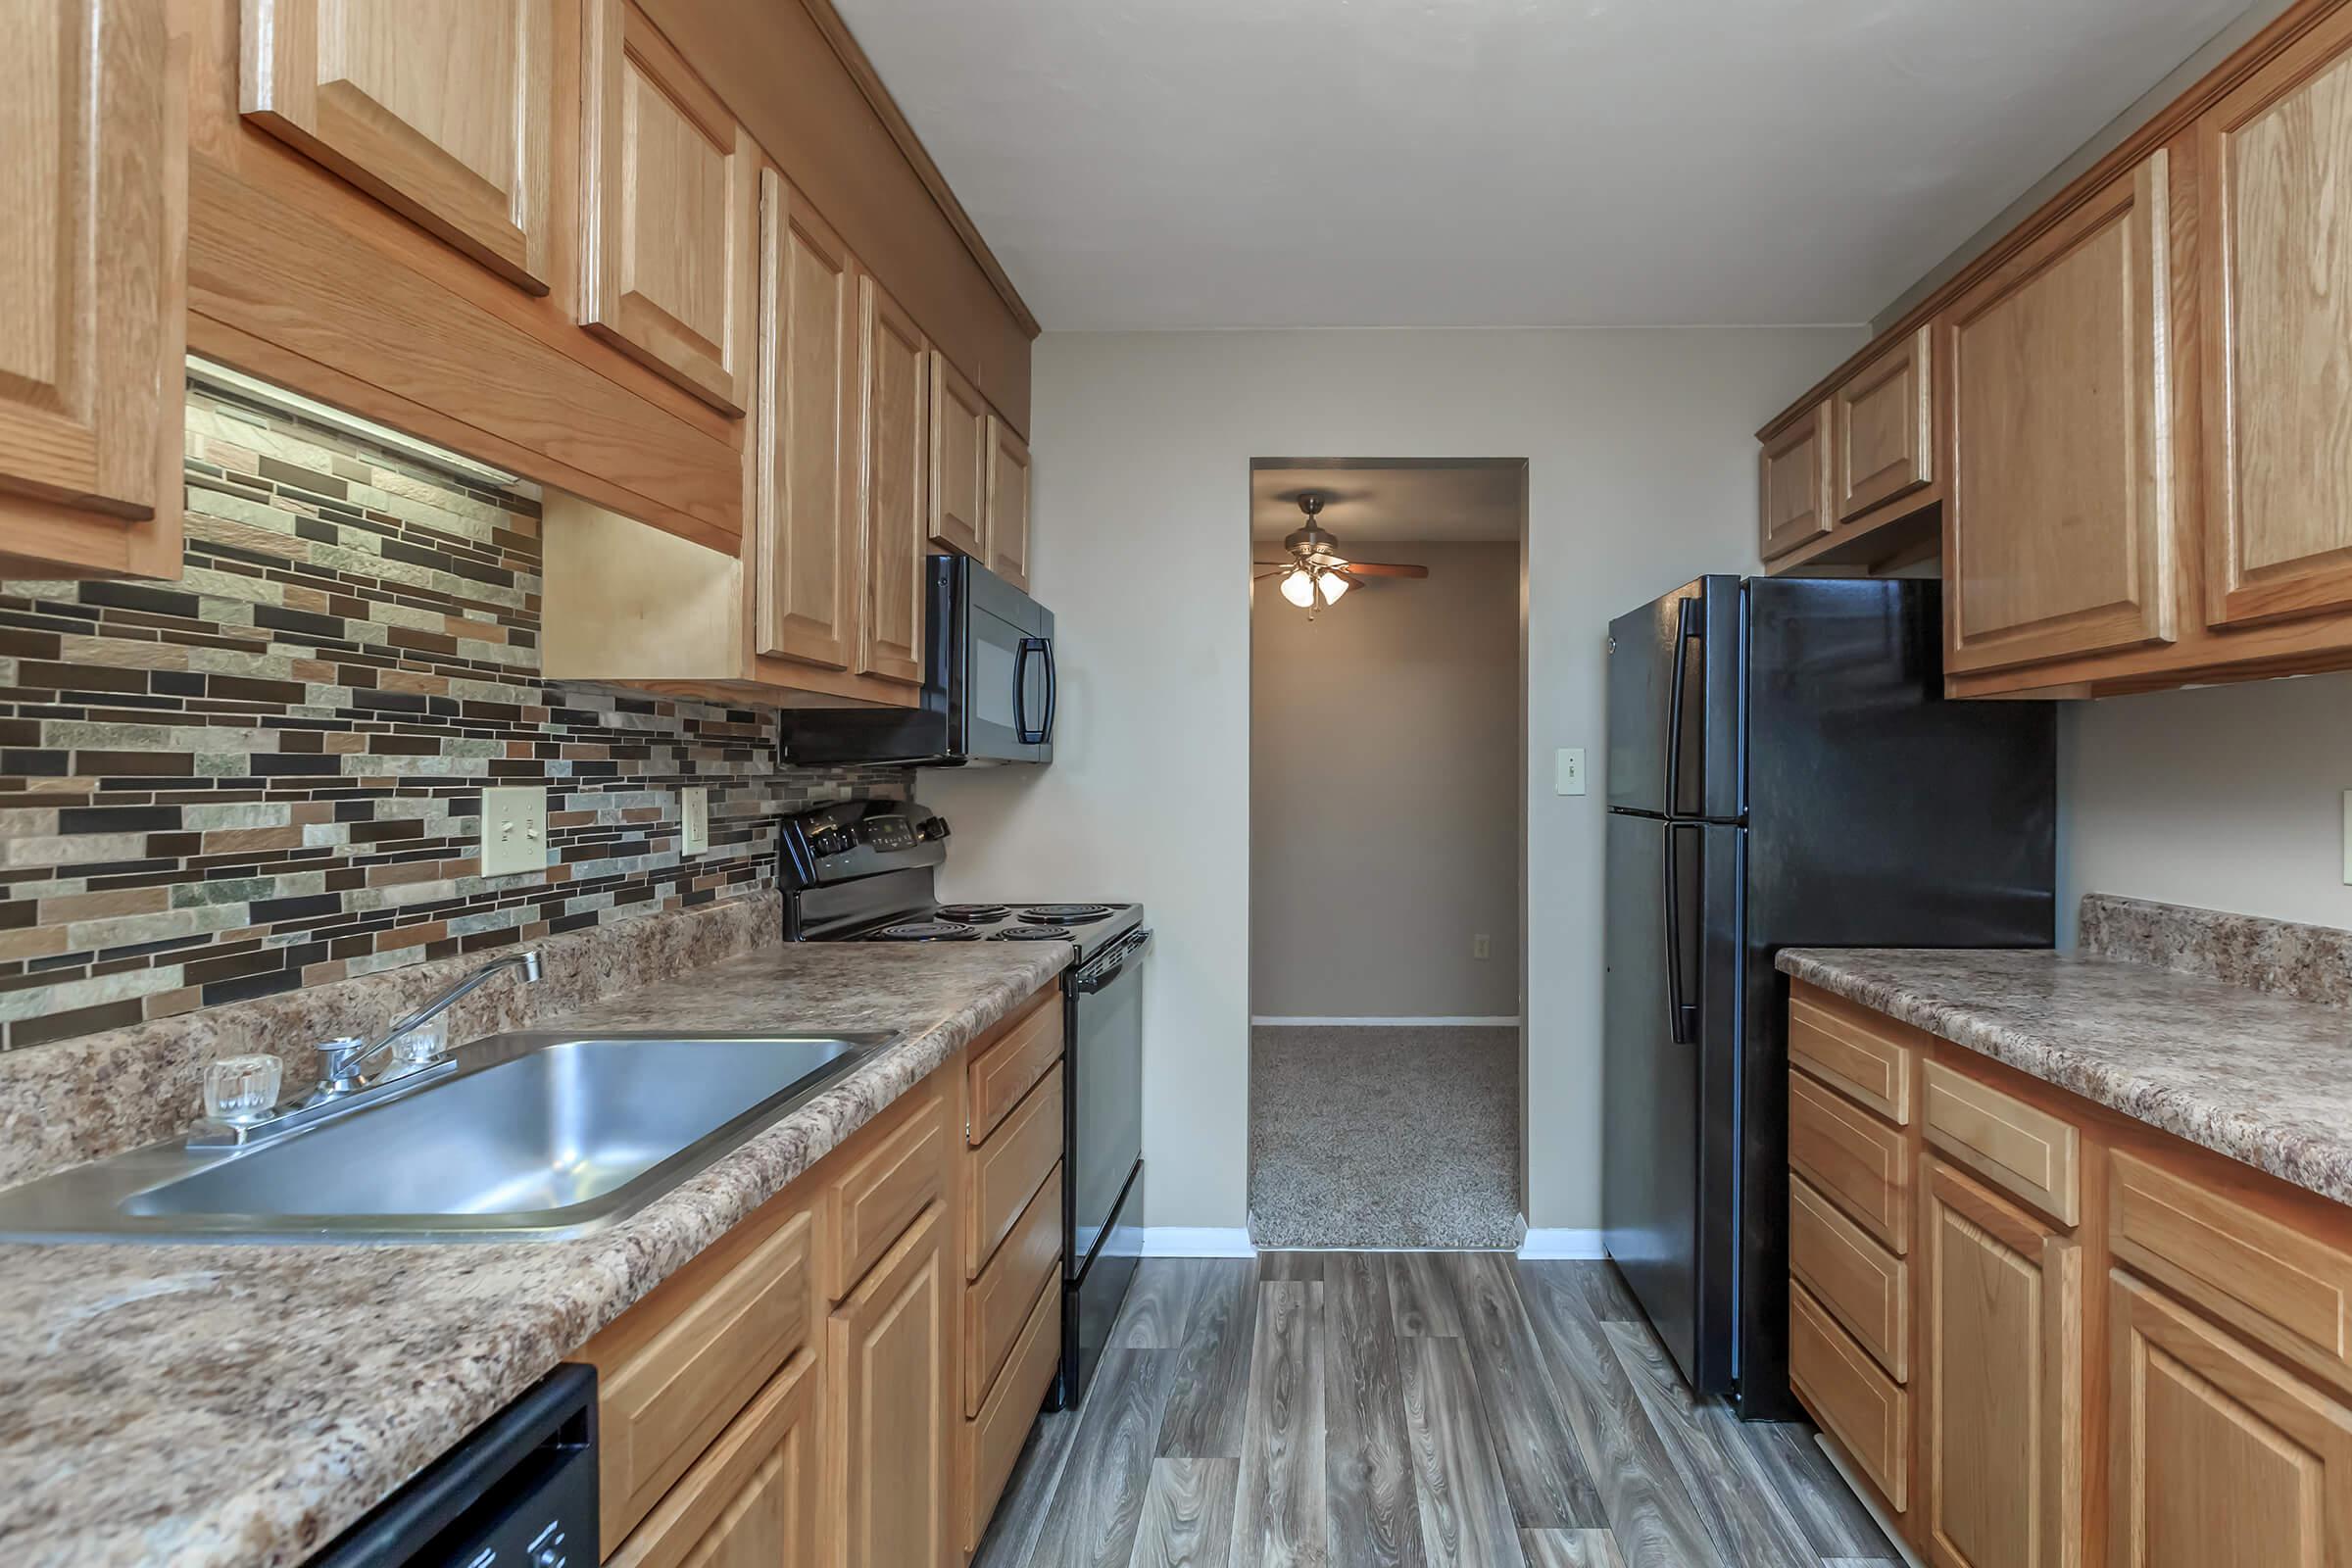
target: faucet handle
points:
(336, 1057)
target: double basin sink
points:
(533, 1136)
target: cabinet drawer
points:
(996, 1305)
(1844, 1045)
(2275, 1285)
(993, 1440)
(753, 1498)
(881, 1191)
(1863, 1286)
(1003, 1069)
(2002, 1138)
(1852, 1158)
(675, 1369)
(1007, 1170)
(1853, 1401)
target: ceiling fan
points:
(1317, 575)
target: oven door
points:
(1007, 673)
(1106, 1091)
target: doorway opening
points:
(1388, 788)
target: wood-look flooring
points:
(1409, 1410)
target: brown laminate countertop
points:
(2263, 1078)
(241, 1405)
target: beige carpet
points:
(1383, 1135)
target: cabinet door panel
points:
(1881, 444)
(2059, 532)
(806, 501)
(2003, 1377)
(1007, 534)
(93, 287)
(2275, 167)
(1793, 483)
(438, 108)
(894, 410)
(2220, 1459)
(888, 1365)
(958, 461)
(752, 1500)
(669, 209)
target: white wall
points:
(1385, 792)
(1641, 474)
(2228, 797)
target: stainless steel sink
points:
(533, 1136)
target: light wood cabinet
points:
(92, 289)
(958, 490)
(894, 404)
(668, 211)
(752, 1500)
(1882, 430)
(2001, 1381)
(2274, 161)
(1005, 535)
(2059, 531)
(441, 109)
(887, 1474)
(1794, 504)
(806, 444)
(2219, 1458)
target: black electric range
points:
(864, 871)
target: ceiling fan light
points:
(1333, 585)
(1298, 587)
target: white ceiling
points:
(1487, 162)
(1374, 504)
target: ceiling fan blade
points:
(1380, 568)
(1273, 562)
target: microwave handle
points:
(1022, 733)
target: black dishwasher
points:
(519, 1492)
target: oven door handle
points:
(1106, 969)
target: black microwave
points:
(988, 684)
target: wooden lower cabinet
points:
(2001, 1381)
(889, 1346)
(2219, 1458)
(752, 1501)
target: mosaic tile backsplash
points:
(268, 774)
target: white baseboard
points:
(1258, 1022)
(1561, 1245)
(1197, 1241)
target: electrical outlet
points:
(1481, 946)
(694, 807)
(513, 830)
(1568, 769)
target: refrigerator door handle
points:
(1685, 631)
(1681, 1017)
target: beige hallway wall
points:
(1383, 793)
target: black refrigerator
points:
(1782, 770)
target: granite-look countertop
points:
(241, 1405)
(2263, 1078)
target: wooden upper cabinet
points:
(442, 108)
(93, 288)
(1882, 435)
(2217, 1455)
(958, 461)
(894, 409)
(806, 509)
(1004, 531)
(668, 211)
(2059, 528)
(2274, 227)
(1793, 480)
(2003, 1381)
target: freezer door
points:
(1673, 747)
(1651, 1079)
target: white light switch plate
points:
(1569, 770)
(513, 830)
(694, 809)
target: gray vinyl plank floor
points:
(1351, 1409)
(1383, 1135)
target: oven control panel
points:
(857, 838)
